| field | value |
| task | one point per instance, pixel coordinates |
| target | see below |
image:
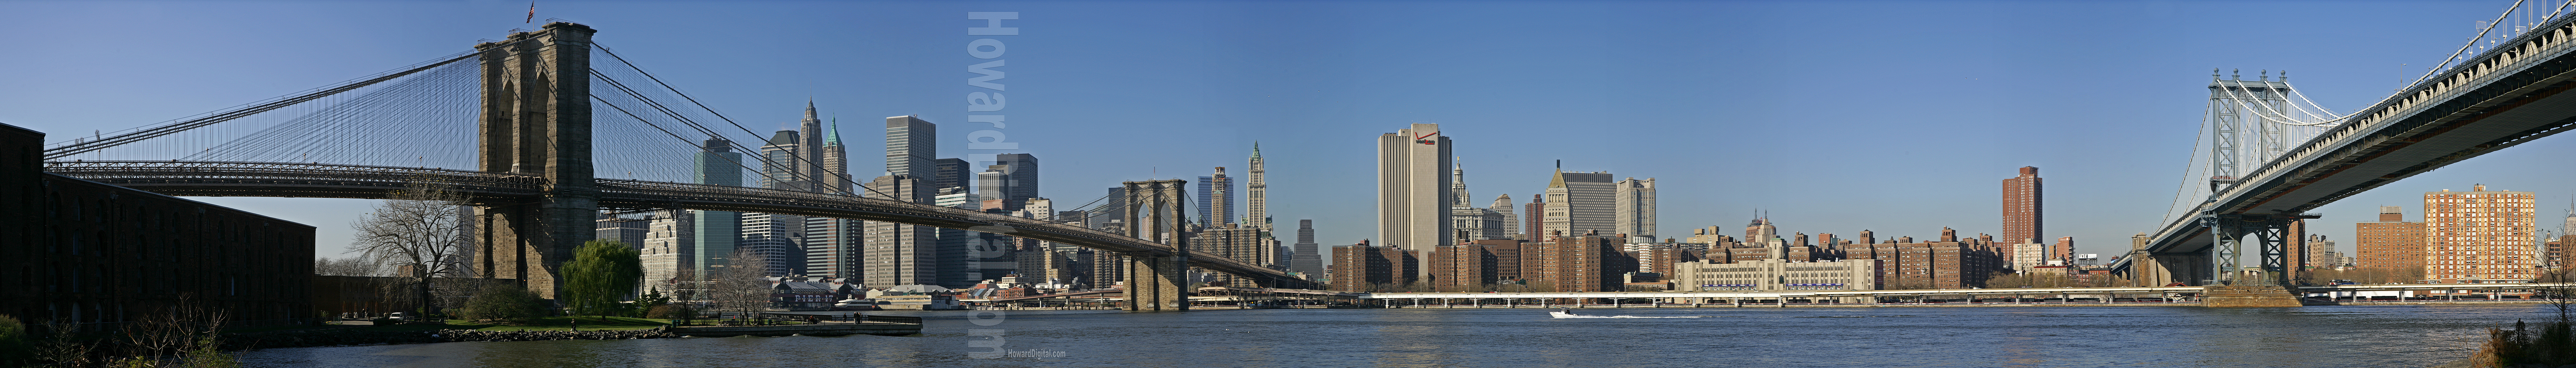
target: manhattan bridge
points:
(2266, 154)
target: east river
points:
(2163, 336)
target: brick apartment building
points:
(1464, 267)
(1362, 267)
(1585, 263)
(2389, 244)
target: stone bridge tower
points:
(1153, 213)
(536, 121)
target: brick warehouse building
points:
(79, 251)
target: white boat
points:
(1562, 314)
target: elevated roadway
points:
(262, 179)
(2508, 95)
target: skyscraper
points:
(1579, 203)
(2390, 244)
(911, 145)
(809, 159)
(1015, 180)
(1635, 209)
(1413, 188)
(836, 175)
(831, 245)
(715, 231)
(1534, 218)
(951, 173)
(1469, 222)
(1511, 216)
(2479, 236)
(1309, 258)
(1105, 216)
(960, 252)
(1216, 199)
(1237, 242)
(1256, 193)
(2021, 207)
(782, 163)
(777, 240)
(896, 253)
(629, 230)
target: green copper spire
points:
(832, 135)
(1256, 151)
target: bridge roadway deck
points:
(2503, 97)
(266, 179)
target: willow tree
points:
(601, 273)
(424, 232)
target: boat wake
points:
(1570, 315)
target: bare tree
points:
(423, 232)
(741, 284)
(352, 266)
(181, 333)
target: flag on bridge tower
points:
(532, 12)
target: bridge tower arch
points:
(536, 121)
(1157, 282)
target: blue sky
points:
(1898, 117)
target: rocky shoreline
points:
(356, 336)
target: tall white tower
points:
(1413, 188)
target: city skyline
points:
(2090, 161)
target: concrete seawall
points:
(819, 329)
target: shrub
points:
(668, 311)
(504, 303)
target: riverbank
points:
(367, 333)
(347, 336)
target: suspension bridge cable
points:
(703, 106)
(121, 139)
(2473, 41)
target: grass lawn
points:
(588, 323)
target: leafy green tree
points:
(15, 344)
(601, 273)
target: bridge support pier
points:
(2168, 268)
(536, 120)
(1157, 282)
(2271, 235)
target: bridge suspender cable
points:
(703, 106)
(69, 150)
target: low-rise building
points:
(1774, 275)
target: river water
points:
(2143, 336)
